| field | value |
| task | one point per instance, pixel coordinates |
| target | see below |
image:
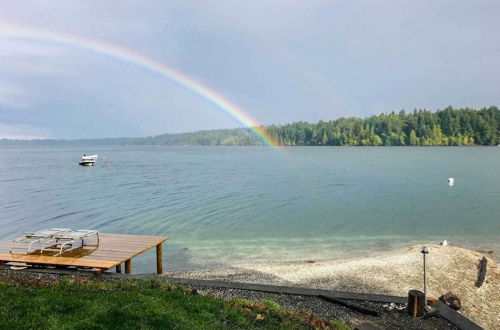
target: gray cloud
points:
(23, 132)
(281, 61)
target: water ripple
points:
(230, 205)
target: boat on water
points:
(88, 160)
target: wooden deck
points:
(113, 251)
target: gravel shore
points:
(391, 316)
(450, 268)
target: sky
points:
(240, 62)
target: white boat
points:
(88, 160)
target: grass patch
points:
(339, 325)
(135, 304)
(272, 305)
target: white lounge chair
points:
(67, 239)
(42, 237)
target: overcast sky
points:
(282, 61)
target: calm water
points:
(228, 205)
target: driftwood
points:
(486, 251)
(349, 305)
(481, 272)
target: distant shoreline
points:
(42, 143)
(446, 127)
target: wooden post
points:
(416, 303)
(128, 266)
(159, 259)
(119, 268)
(481, 272)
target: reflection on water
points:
(229, 205)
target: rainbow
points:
(147, 63)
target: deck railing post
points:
(128, 266)
(159, 259)
(119, 268)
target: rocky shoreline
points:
(450, 268)
(390, 316)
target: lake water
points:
(227, 205)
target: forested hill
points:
(450, 126)
(454, 127)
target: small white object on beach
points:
(444, 243)
(451, 181)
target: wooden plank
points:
(135, 241)
(159, 259)
(456, 318)
(291, 290)
(133, 238)
(127, 236)
(104, 255)
(126, 249)
(44, 260)
(125, 243)
(355, 307)
(130, 243)
(88, 249)
(121, 249)
(125, 246)
(136, 253)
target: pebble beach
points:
(450, 268)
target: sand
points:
(450, 268)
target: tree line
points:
(447, 127)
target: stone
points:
(451, 300)
(431, 301)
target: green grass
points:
(272, 305)
(138, 304)
(339, 325)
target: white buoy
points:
(451, 181)
(444, 243)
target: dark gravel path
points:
(390, 317)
